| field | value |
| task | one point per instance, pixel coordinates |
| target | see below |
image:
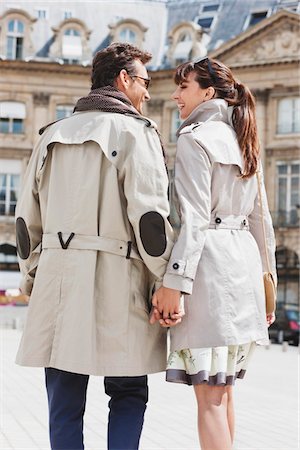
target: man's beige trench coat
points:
(219, 255)
(93, 236)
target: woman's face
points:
(188, 95)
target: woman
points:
(219, 255)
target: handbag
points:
(268, 279)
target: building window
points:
(209, 8)
(15, 39)
(183, 48)
(67, 15)
(128, 30)
(71, 46)
(287, 262)
(288, 194)
(63, 111)
(208, 14)
(8, 258)
(12, 115)
(9, 186)
(42, 14)
(257, 17)
(288, 117)
(127, 35)
(175, 124)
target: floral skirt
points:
(213, 366)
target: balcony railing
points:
(286, 218)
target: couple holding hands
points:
(94, 242)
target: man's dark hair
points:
(108, 63)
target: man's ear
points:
(123, 81)
(210, 92)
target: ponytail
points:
(244, 124)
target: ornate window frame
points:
(56, 49)
(193, 48)
(27, 44)
(132, 25)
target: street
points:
(266, 403)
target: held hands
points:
(167, 308)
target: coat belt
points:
(85, 242)
(229, 222)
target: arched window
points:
(71, 45)
(183, 48)
(187, 40)
(128, 30)
(71, 42)
(127, 35)
(15, 39)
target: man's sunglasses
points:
(209, 67)
(146, 80)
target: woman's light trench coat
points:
(219, 256)
(102, 177)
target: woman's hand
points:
(271, 318)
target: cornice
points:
(43, 66)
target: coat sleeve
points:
(255, 224)
(28, 226)
(146, 191)
(193, 186)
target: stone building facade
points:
(45, 56)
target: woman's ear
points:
(210, 93)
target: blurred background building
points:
(46, 50)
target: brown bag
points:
(269, 282)
(270, 292)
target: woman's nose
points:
(174, 96)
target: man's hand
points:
(167, 302)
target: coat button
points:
(114, 153)
(218, 220)
(175, 266)
(244, 222)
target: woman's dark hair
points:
(210, 72)
(108, 63)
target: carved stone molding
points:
(41, 99)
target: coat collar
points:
(215, 109)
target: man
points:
(93, 240)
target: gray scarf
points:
(107, 99)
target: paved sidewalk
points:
(266, 405)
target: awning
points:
(14, 110)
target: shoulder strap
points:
(262, 218)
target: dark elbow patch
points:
(23, 239)
(153, 233)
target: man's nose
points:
(147, 96)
